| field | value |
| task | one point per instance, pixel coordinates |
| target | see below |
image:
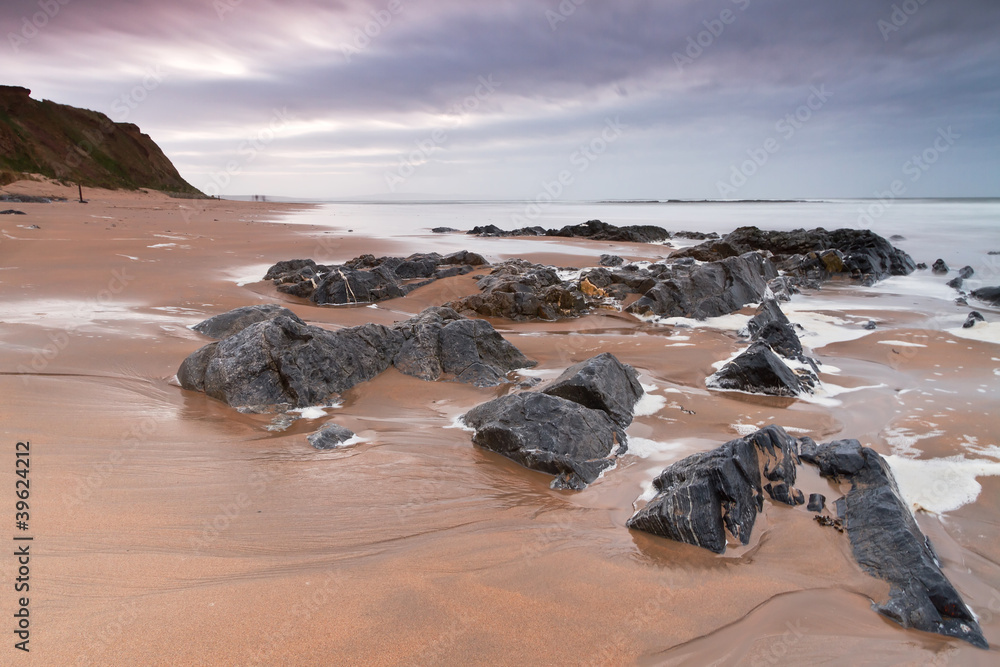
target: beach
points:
(170, 528)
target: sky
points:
(529, 99)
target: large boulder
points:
(888, 543)
(709, 290)
(758, 370)
(236, 320)
(711, 496)
(283, 362)
(520, 290)
(441, 343)
(549, 434)
(600, 383)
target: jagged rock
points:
(600, 383)
(888, 543)
(611, 260)
(330, 436)
(974, 318)
(940, 267)
(782, 288)
(519, 290)
(236, 320)
(921, 266)
(441, 343)
(988, 294)
(771, 326)
(709, 290)
(494, 231)
(966, 272)
(602, 231)
(758, 370)
(701, 498)
(550, 434)
(955, 283)
(444, 230)
(284, 362)
(817, 502)
(696, 236)
(12, 212)
(806, 254)
(870, 325)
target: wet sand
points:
(170, 529)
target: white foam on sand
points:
(821, 329)
(649, 404)
(162, 245)
(986, 332)
(900, 343)
(315, 411)
(458, 423)
(940, 485)
(645, 448)
(902, 440)
(733, 322)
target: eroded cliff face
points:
(80, 145)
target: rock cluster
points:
(712, 498)
(574, 428)
(367, 279)
(282, 362)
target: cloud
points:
(698, 83)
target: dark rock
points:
(988, 294)
(444, 230)
(807, 254)
(757, 371)
(993, 252)
(601, 383)
(440, 343)
(493, 230)
(284, 362)
(782, 288)
(238, 319)
(709, 290)
(330, 436)
(367, 279)
(28, 199)
(940, 267)
(602, 231)
(974, 317)
(922, 266)
(888, 544)
(897, 237)
(966, 272)
(771, 326)
(520, 290)
(817, 502)
(549, 434)
(696, 236)
(611, 260)
(12, 212)
(870, 325)
(701, 498)
(955, 283)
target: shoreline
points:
(428, 546)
